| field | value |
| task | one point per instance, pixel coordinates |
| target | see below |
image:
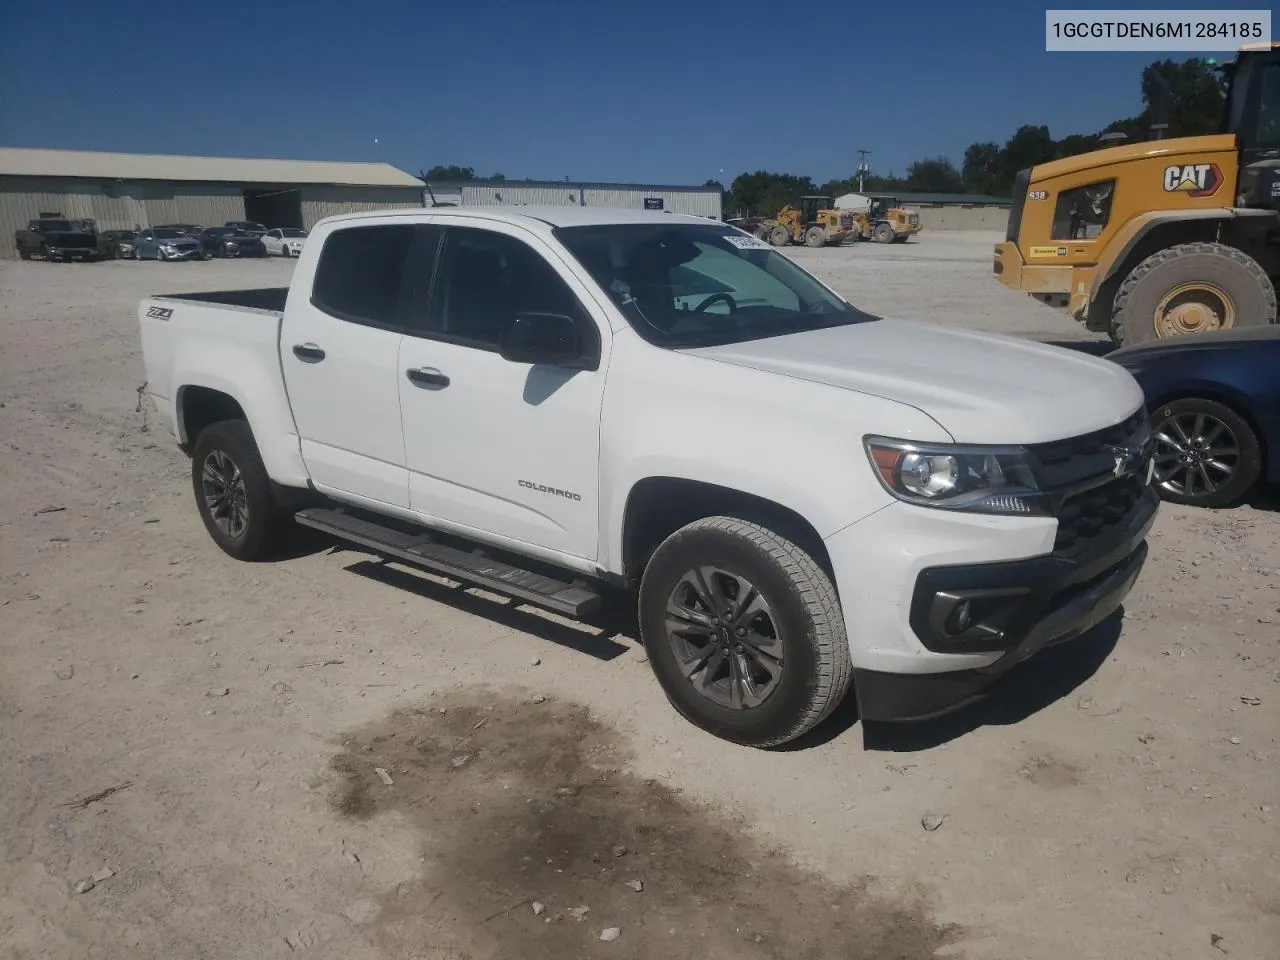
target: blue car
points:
(1214, 400)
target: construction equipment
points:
(1165, 237)
(815, 223)
(885, 220)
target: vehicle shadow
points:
(596, 636)
(1026, 689)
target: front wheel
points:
(1192, 288)
(233, 492)
(815, 237)
(884, 233)
(744, 631)
(779, 236)
(1206, 454)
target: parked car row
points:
(66, 240)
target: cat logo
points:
(1193, 179)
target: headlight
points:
(167, 247)
(976, 479)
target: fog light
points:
(961, 618)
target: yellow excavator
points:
(1165, 237)
(815, 223)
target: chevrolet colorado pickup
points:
(800, 495)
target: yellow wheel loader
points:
(1165, 237)
(814, 223)
(885, 221)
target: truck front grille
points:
(1080, 476)
(1085, 517)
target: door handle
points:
(427, 377)
(308, 352)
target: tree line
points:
(1187, 96)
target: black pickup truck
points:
(58, 240)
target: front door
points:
(507, 449)
(339, 349)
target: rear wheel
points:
(1192, 288)
(743, 631)
(1206, 454)
(815, 237)
(779, 236)
(883, 233)
(233, 492)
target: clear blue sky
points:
(657, 92)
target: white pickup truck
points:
(545, 402)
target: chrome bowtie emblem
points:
(1127, 460)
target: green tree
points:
(934, 175)
(982, 171)
(763, 193)
(450, 172)
(1193, 94)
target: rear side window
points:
(361, 273)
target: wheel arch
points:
(1158, 230)
(199, 406)
(658, 506)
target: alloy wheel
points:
(224, 492)
(1196, 454)
(725, 638)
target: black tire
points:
(804, 618)
(883, 233)
(231, 441)
(779, 235)
(1240, 278)
(1216, 472)
(24, 253)
(815, 237)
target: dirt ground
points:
(1119, 798)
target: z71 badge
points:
(159, 313)
(1193, 179)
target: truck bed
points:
(261, 298)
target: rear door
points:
(339, 348)
(508, 449)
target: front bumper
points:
(183, 253)
(904, 572)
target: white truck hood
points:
(981, 388)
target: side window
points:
(1082, 213)
(361, 273)
(485, 279)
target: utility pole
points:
(862, 166)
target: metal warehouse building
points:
(699, 201)
(121, 190)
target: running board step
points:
(419, 549)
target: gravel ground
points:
(1120, 798)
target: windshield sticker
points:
(745, 242)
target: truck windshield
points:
(688, 285)
(56, 226)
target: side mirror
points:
(548, 338)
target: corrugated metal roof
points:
(570, 184)
(25, 162)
